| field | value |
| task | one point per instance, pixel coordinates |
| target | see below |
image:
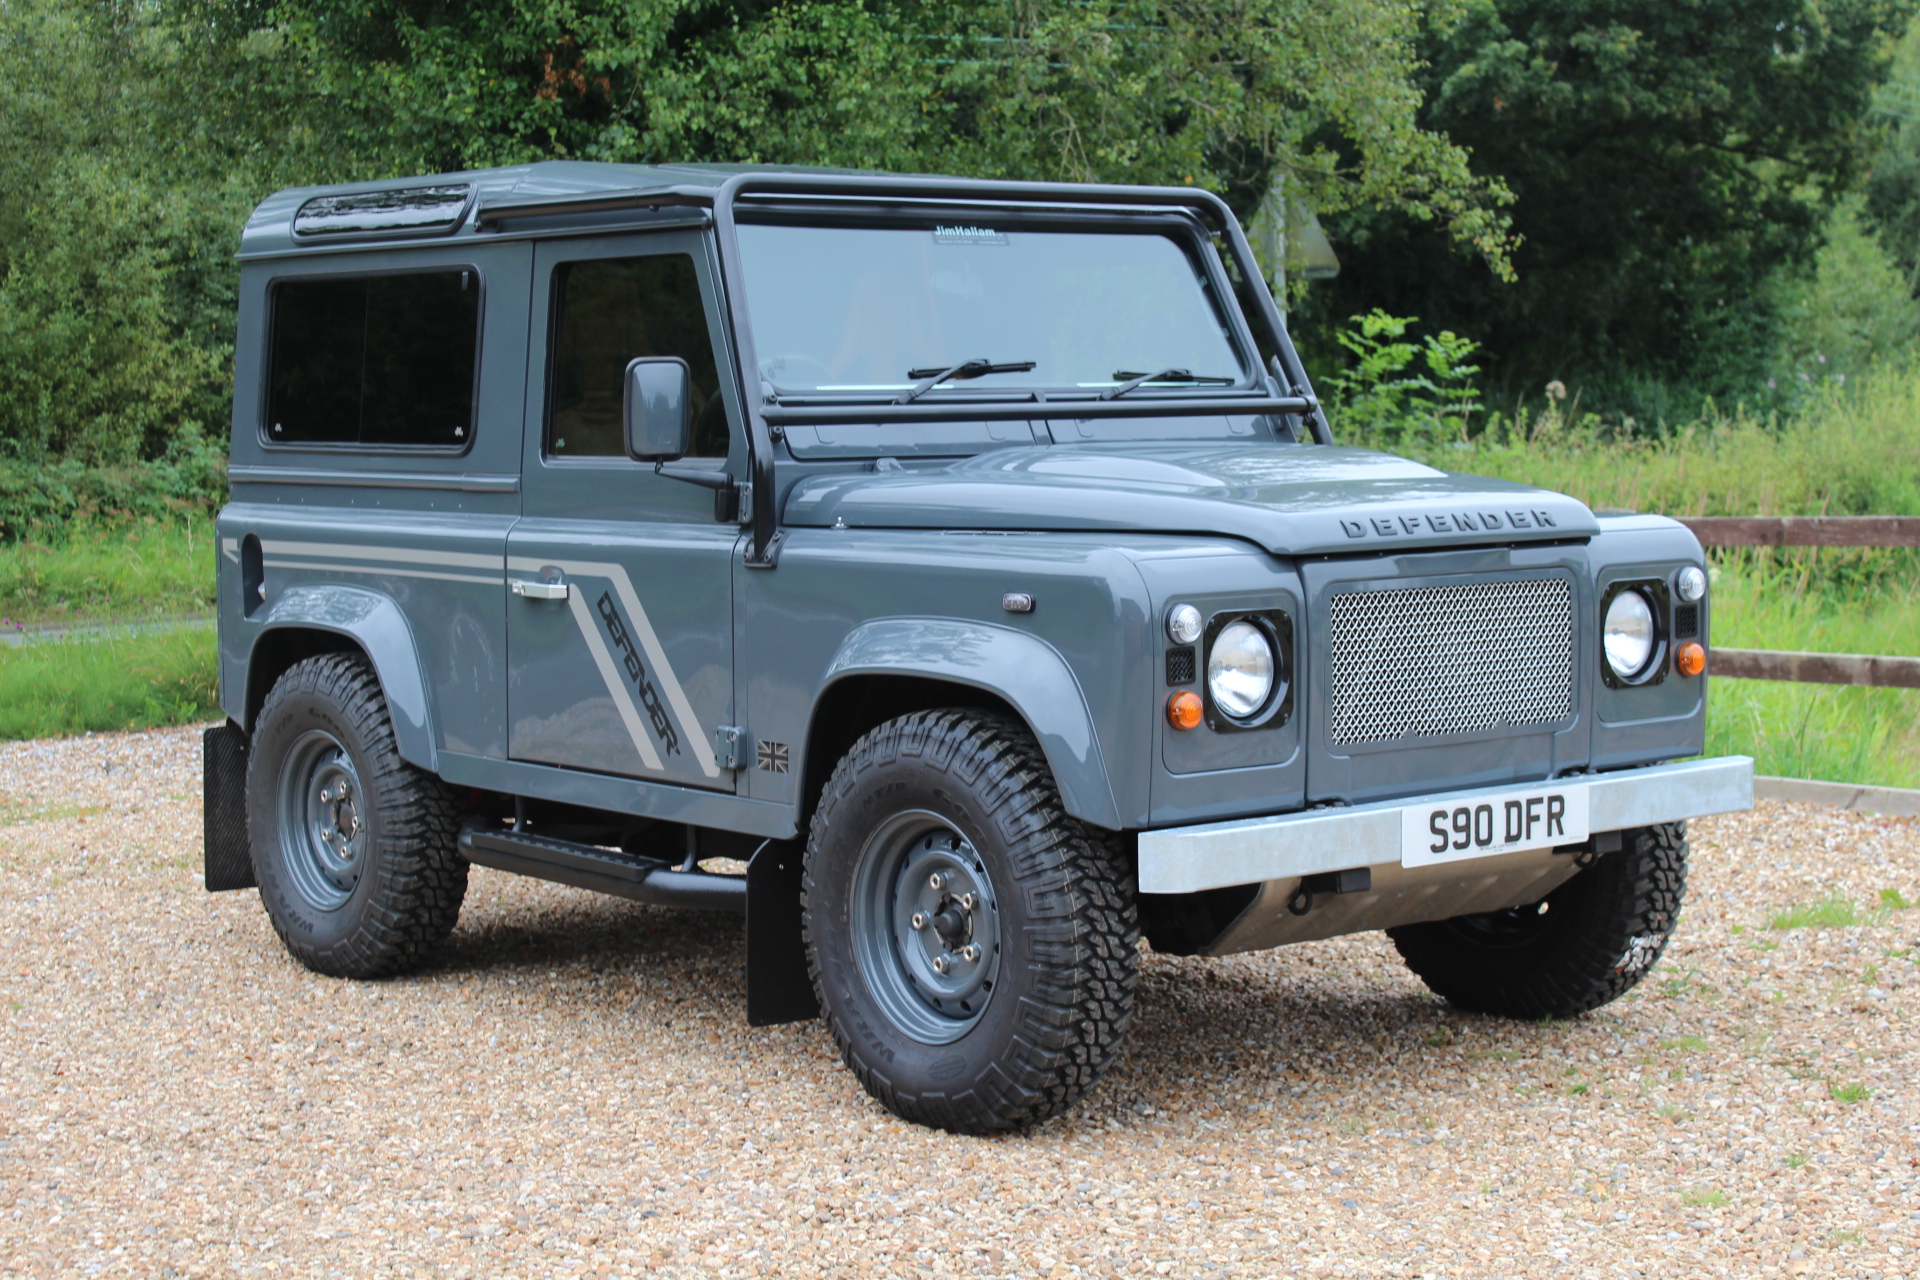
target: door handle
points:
(556, 590)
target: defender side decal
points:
(637, 672)
(654, 655)
(651, 656)
(616, 684)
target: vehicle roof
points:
(270, 228)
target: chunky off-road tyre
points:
(353, 847)
(1600, 933)
(972, 946)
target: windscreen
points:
(862, 309)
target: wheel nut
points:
(919, 920)
(969, 953)
(966, 902)
(936, 881)
(940, 964)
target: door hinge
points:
(726, 745)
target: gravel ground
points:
(573, 1090)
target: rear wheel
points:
(353, 848)
(1585, 944)
(973, 947)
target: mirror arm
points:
(702, 476)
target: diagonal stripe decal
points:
(649, 642)
(622, 700)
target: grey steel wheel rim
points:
(323, 820)
(926, 926)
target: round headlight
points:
(1690, 583)
(1183, 624)
(1240, 669)
(1627, 634)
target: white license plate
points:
(1485, 825)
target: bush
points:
(1399, 394)
(45, 500)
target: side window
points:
(606, 311)
(381, 361)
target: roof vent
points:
(419, 211)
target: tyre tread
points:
(1077, 884)
(1616, 919)
(417, 897)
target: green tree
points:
(140, 132)
(1224, 94)
(120, 198)
(1665, 160)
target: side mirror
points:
(657, 404)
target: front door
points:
(620, 634)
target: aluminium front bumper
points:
(1287, 846)
(1270, 855)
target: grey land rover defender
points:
(972, 561)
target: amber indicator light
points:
(1183, 709)
(1690, 659)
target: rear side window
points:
(378, 361)
(607, 311)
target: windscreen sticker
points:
(968, 235)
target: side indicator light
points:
(1184, 709)
(1690, 659)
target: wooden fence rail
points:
(1804, 531)
(1811, 531)
(1818, 668)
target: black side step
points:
(586, 866)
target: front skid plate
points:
(1399, 895)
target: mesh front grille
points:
(1686, 621)
(1451, 660)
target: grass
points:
(125, 681)
(1704, 1198)
(142, 569)
(1852, 453)
(1807, 730)
(1830, 912)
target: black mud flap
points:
(223, 792)
(778, 988)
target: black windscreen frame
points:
(374, 361)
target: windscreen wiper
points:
(928, 379)
(1133, 380)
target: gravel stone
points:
(571, 1090)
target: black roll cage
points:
(931, 194)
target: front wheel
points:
(1585, 944)
(972, 946)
